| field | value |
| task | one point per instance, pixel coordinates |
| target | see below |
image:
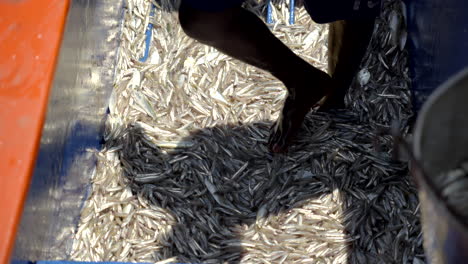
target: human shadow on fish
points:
(225, 191)
(173, 5)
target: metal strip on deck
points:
(76, 111)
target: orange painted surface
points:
(30, 36)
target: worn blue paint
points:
(74, 123)
(292, 5)
(269, 18)
(149, 36)
(21, 262)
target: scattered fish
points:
(454, 188)
(185, 175)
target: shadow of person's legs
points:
(231, 200)
(220, 196)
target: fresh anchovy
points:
(185, 176)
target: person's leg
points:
(351, 27)
(242, 35)
(347, 45)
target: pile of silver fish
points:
(185, 175)
(454, 189)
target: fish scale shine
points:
(185, 176)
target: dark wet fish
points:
(185, 175)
